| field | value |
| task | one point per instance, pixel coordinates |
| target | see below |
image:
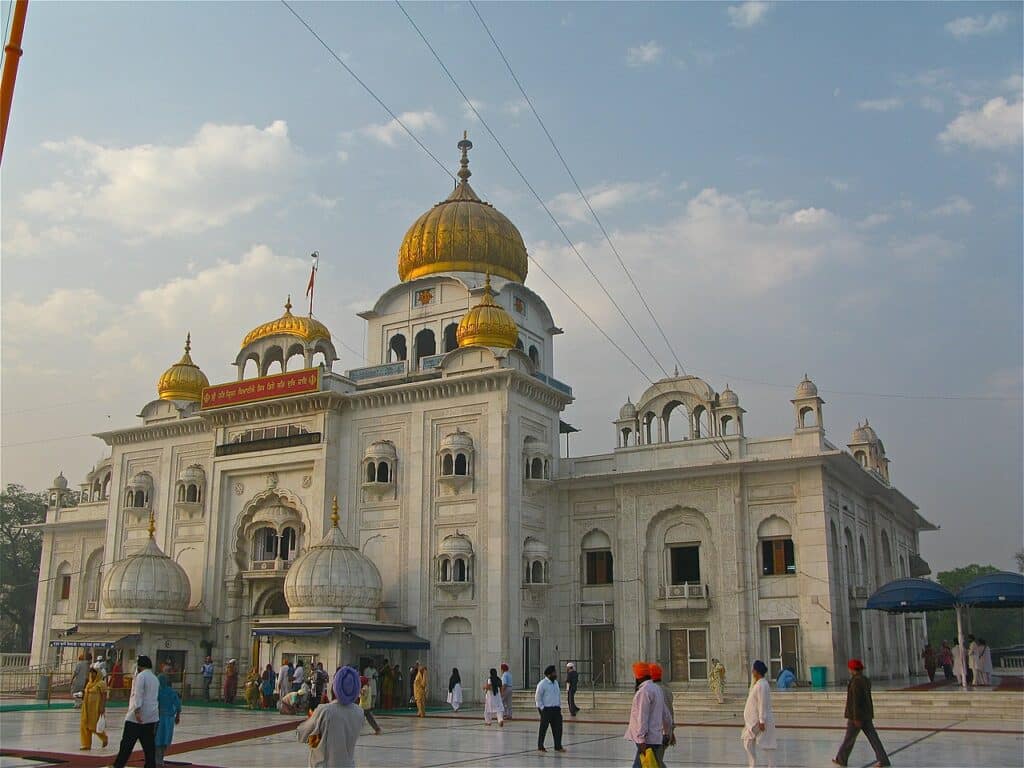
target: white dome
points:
(864, 433)
(456, 544)
(806, 388)
(728, 398)
(535, 549)
(333, 580)
(382, 449)
(627, 411)
(147, 585)
(457, 441)
(60, 482)
(193, 475)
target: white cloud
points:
(388, 133)
(839, 185)
(467, 111)
(931, 103)
(810, 217)
(20, 240)
(835, 92)
(974, 26)
(873, 220)
(321, 201)
(927, 251)
(997, 125)
(647, 53)
(1014, 83)
(63, 309)
(956, 205)
(1001, 176)
(602, 197)
(515, 107)
(880, 105)
(149, 191)
(748, 14)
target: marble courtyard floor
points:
(235, 738)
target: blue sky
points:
(831, 188)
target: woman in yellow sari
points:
(94, 704)
(419, 691)
(252, 689)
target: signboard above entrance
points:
(263, 388)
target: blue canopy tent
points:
(911, 596)
(994, 590)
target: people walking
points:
(548, 698)
(506, 690)
(320, 681)
(959, 663)
(572, 681)
(492, 699)
(143, 715)
(252, 689)
(115, 682)
(657, 673)
(230, 681)
(414, 670)
(268, 684)
(716, 680)
(972, 659)
(169, 704)
(370, 673)
(94, 707)
(298, 675)
(284, 678)
(931, 662)
(366, 703)
(455, 689)
(387, 685)
(860, 714)
(983, 670)
(333, 730)
(398, 685)
(207, 672)
(79, 677)
(758, 718)
(420, 691)
(946, 660)
(649, 719)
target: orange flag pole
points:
(13, 51)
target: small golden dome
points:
(183, 380)
(306, 328)
(487, 324)
(463, 234)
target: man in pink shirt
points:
(650, 721)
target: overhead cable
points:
(583, 196)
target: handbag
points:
(648, 759)
(101, 724)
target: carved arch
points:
(248, 518)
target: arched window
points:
(666, 418)
(461, 464)
(698, 412)
(851, 555)
(296, 358)
(649, 418)
(425, 344)
(92, 579)
(450, 341)
(318, 359)
(139, 499)
(383, 472)
(807, 418)
(181, 493)
(446, 569)
(537, 469)
(447, 465)
(288, 543)
(459, 570)
(192, 494)
(265, 545)
(251, 369)
(275, 604)
(105, 492)
(777, 554)
(886, 558)
(626, 434)
(597, 558)
(537, 572)
(519, 344)
(861, 457)
(534, 355)
(863, 562)
(371, 472)
(275, 367)
(726, 425)
(397, 349)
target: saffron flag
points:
(312, 273)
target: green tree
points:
(1020, 561)
(19, 565)
(1001, 627)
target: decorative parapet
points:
(554, 383)
(372, 372)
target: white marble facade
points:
(687, 540)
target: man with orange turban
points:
(859, 714)
(650, 722)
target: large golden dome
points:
(183, 380)
(306, 328)
(487, 324)
(463, 234)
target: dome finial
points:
(465, 145)
(288, 305)
(188, 342)
(334, 512)
(152, 524)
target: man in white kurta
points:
(758, 718)
(335, 726)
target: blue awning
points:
(291, 631)
(994, 590)
(401, 639)
(911, 596)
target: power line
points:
(579, 189)
(366, 88)
(533, 191)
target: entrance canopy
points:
(402, 639)
(93, 641)
(911, 596)
(291, 631)
(994, 590)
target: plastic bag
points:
(101, 724)
(648, 759)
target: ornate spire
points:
(288, 305)
(152, 524)
(465, 145)
(334, 512)
(188, 342)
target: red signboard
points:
(265, 388)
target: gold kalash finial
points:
(334, 512)
(152, 524)
(465, 145)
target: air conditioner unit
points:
(92, 605)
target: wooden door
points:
(680, 653)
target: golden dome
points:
(487, 324)
(463, 234)
(306, 328)
(183, 380)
